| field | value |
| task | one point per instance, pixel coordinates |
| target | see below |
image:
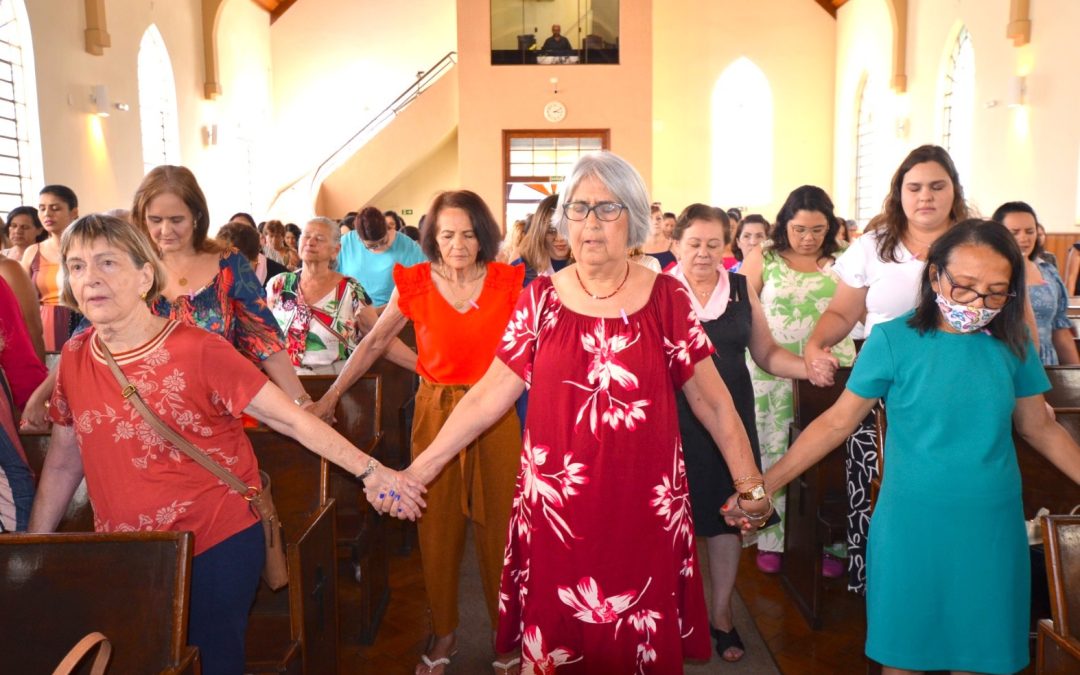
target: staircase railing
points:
(312, 179)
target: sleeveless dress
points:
(793, 302)
(710, 481)
(55, 318)
(601, 573)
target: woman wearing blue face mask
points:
(949, 598)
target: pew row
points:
(816, 505)
(1058, 646)
(132, 587)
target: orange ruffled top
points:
(457, 347)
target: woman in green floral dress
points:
(322, 312)
(793, 275)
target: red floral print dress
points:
(601, 574)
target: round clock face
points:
(554, 111)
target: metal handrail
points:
(383, 117)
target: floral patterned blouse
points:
(319, 333)
(233, 305)
(136, 480)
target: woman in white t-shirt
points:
(879, 280)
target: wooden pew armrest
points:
(1055, 653)
(189, 663)
(373, 444)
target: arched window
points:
(157, 102)
(958, 102)
(20, 139)
(742, 136)
(867, 140)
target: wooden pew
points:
(1058, 649)
(362, 533)
(80, 514)
(1043, 484)
(132, 587)
(816, 505)
(295, 629)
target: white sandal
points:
(433, 664)
(505, 666)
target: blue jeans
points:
(19, 478)
(224, 579)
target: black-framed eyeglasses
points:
(606, 211)
(966, 295)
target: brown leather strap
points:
(81, 649)
(130, 393)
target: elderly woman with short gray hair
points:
(600, 572)
(322, 312)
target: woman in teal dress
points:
(948, 574)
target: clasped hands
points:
(747, 520)
(821, 366)
(395, 493)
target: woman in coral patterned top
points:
(601, 574)
(459, 304)
(138, 481)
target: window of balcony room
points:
(546, 32)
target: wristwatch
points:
(756, 494)
(302, 399)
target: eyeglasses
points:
(800, 232)
(605, 211)
(376, 245)
(551, 232)
(965, 295)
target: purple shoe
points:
(831, 568)
(768, 562)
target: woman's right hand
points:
(35, 416)
(324, 408)
(395, 493)
(821, 365)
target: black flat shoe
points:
(726, 640)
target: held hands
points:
(821, 365)
(395, 493)
(748, 516)
(35, 416)
(323, 408)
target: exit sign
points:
(406, 212)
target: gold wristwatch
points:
(756, 494)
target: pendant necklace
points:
(457, 302)
(603, 297)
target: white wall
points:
(338, 63)
(1028, 153)
(101, 159)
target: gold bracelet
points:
(755, 518)
(752, 480)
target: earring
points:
(142, 296)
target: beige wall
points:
(1029, 153)
(494, 98)
(791, 41)
(101, 159)
(338, 63)
(414, 191)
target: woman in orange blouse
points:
(460, 303)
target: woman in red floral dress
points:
(600, 571)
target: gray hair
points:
(331, 225)
(622, 180)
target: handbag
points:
(81, 649)
(275, 571)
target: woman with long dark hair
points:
(928, 586)
(793, 275)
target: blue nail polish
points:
(391, 493)
(381, 495)
(397, 498)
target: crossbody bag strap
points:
(129, 392)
